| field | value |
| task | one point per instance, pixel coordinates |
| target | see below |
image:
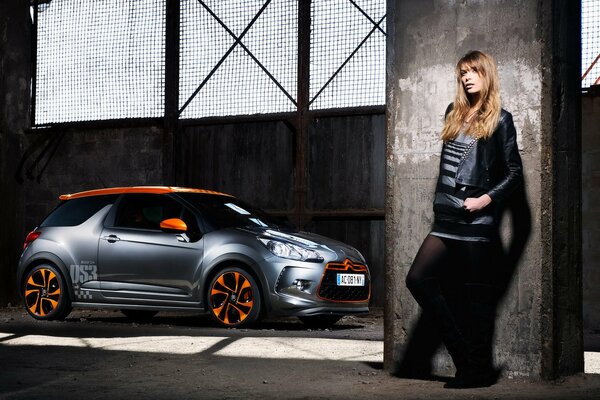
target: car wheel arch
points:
(48, 258)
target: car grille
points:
(329, 290)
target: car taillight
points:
(30, 238)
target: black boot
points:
(429, 296)
(480, 370)
(422, 345)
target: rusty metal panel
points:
(346, 164)
(252, 161)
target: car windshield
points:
(228, 212)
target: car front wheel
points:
(234, 298)
(45, 293)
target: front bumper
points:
(307, 289)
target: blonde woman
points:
(479, 167)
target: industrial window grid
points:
(590, 43)
(347, 60)
(106, 60)
(99, 60)
(222, 77)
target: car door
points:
(138, 263)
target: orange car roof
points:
(137, 189)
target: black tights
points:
(453, 281)
(439, 258)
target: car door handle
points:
(183, 238)
(111, 238)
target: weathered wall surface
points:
(590, 131)
(425, 40)
(252, 161)
(14, 117)
(86, 159)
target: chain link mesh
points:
(590, 43)
(338, 29)
(239, 86)
(99, 60)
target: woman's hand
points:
(473, 204)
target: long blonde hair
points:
(485, 121)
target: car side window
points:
(146, 211)
(191, 221)
(76, 211)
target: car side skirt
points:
(115, 306)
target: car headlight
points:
(291, 251)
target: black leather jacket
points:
(494, 164)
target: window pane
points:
(338, 28)
(238, 85)
(590, 41)
(100, 60)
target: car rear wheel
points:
(320, 321)
(139, 315)
(234, 298)
(45, 293)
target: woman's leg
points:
(480, 263)
(429, 262)
(482, 294)
(423, 281)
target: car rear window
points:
(76, 211)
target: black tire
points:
(45, 293)
(234, 298)
(139, 315)
(320, 321)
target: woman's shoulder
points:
(448, 109)
(505, 125)
(504, 115)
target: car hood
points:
(310, 240)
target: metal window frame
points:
(172, 71)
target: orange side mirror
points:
(173, 225)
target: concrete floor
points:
(101, 354)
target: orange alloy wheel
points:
(234, 298)
(43, 293)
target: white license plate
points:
(350, 280)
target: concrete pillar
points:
(15, 28)
(536, 44)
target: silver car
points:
(149, 249)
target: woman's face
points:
(471, 80)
